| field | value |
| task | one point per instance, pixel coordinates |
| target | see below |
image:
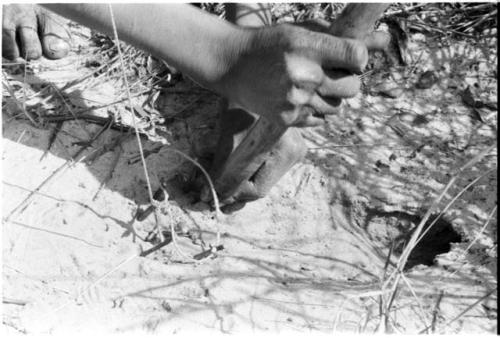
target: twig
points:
(470, 307)
(384, 314)
(69, 109)
(24, 203)
(99, 133)
(135, 159)
(218, 213)
(18, 104)
(131, 105)
(27, 200)
(83, 78)
(494, 13)
(463, 255)
(110, 172)
(435, 312)
(416, 234)
(401, 11)
(86, 117)
(96, 153)
(8, 300)
(490, 216)
(52, 138)
(97, 281)
(360, 145)
(389, 303)
(445, 209)
(156, 247)
(419, 303)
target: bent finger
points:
(324, 105)
(310, 117)
(377, 41)
(339, 84)
(347, 54)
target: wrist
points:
(228, 53)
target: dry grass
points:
(133, 70)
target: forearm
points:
(199, 44)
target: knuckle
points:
(33, 53)
(292, 143)
(353, 87)
(9, 55)
(356, 53)
(258, 194)
(287, 36)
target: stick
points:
(354, 22)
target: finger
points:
(246, 192)
(334, 52)
(310, 117)
(9, 45)
(54, 34)
(339, 84)
(232, 207)
(377, 41)
(325, 105)
(27, 33)
(30, 43)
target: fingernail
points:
(57, 46)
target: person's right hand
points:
(292, 75)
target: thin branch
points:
(134, 123)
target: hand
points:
(29, 30)
(291, 147)
(292, 75)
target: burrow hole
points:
(396, 228)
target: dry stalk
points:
(24, 203)
(447, 207)
(52, 138)
(216, 204)
(19, 105)
(93, 284)
(419, 303)
(416, 235)
(470, 307)
(463, 255)
(110, 172)
(490, 216)
(14, 301)
(70, 110)
(397, 273)
(436, 312)
(143, 160)
(129, 96)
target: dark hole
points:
(436, 241)
(397, 227)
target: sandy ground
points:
(309, 257)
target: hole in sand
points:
(398, 227)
